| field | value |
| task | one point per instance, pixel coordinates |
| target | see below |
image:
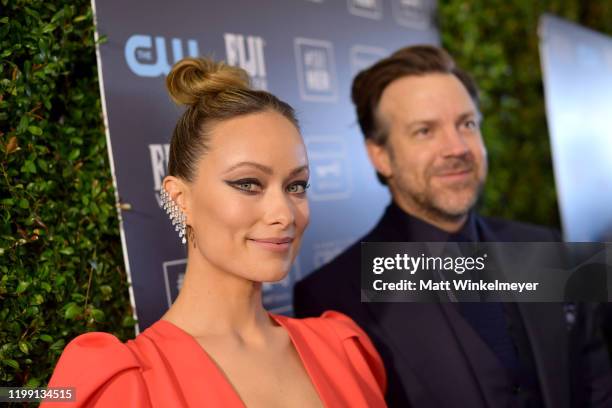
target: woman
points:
(236, 189)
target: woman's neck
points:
(216, 302)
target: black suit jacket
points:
(434, 358)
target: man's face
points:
(434, 159)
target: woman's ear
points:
(179, 192)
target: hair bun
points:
(192, 79)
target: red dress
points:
(166, 367)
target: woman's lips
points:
(273, 244)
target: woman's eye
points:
(246, 186)
(250, 186)
(298, 188)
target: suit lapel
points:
(424, 327)
(488, 371)
(428, 346)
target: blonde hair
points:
(212, 92)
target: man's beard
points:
(441, 202)
(438, 206)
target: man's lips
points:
(455, 177)
(455, 173)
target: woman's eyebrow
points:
(259, 166)
(299, 170)
(264, 168)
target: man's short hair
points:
(370, 83)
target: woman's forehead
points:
(267, 139)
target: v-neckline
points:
(282, 322)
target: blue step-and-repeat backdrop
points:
(307, 53)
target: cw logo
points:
(147, 59)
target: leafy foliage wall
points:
(61, 266)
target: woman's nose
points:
(279, 208)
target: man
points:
(420, 118)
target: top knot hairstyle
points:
(370, 83)
(212, 92)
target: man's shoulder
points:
(499, 229)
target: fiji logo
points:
(148, 57)
(248, 54)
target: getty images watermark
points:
(488, 272)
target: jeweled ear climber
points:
(174, 212)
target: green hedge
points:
(61, 270)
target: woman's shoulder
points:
(102, 349)
(334, 324)
(97, 361)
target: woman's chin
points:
(278, 278)
(271, 277)
(267, 271)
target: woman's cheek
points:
(232, 216)
(303, 215)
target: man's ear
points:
(179, 192)
(379, 157)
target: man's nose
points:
(454, 142)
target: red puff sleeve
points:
(359, 348)
(102, 371)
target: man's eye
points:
(470, 124)
(298, 188)
(424, 131)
